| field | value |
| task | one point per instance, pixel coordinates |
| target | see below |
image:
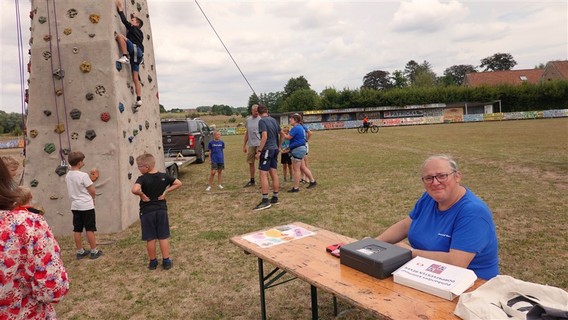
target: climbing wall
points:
(80, 99)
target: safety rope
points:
(61, 154)
(226, 49)
(22, 75)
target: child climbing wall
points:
(81, 98)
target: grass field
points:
(365, 183)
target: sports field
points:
(365, 183)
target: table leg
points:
(314, 293)
(334, 306)
(261, 283)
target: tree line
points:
(419, 84)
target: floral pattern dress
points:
(32, 275)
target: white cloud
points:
(330, 43)
(426, 16)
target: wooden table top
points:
(307, 259)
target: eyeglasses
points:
(441, 177)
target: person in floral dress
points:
(32, 275)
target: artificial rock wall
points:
(80, 99)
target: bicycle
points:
(373, 128)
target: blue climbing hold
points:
(120, 107)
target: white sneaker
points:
(123, 59)
(138, 103)
(221, 187)
(208, 188)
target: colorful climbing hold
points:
(61, 170)
(71, 13)
(33, 133)
(59, 128)
(89, 96)
(49, 147)
(105, 116)
(94, 174)
(85, 66)
(94, 18)
(90, 134)
(34, 183)
(75, 114)
(47, 113)
(120, 107)
(58, 74)
(67, 31)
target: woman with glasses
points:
(449, 223)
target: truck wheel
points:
(200, 154)
(173, 171)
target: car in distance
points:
(188, 137)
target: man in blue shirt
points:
(449, 223)
(267, 156)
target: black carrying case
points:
(373, 257)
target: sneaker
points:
(294, 190)
(95, 255)
(221, 187)
(274, 200)
(139, 103)
(303, 181)
(311, 185)
(249, 184)
(153, 264)
(123, 59)
(264, 204)
(167, 264)
(82, 255)
(208, 188)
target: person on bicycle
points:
(365, 123)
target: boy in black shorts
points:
(152, 187)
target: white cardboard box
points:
(434, 277)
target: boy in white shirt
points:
(82, 194)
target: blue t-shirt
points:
(272, 128)
(466, 226)
(298, 134)
(216, 151)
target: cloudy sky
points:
(330, 43)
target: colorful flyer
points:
(278, 235)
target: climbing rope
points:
(226, 49)
(22, 75)
(61, 153)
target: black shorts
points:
(285, 158)
(155, 225)
(84, 219)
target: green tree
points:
(203, 109)
(424, 76)
(398, 79)
(272, 100)
(498, 62)
(377, 80)
(410, 70)
(330, 99)
(295, 84)
(162, 109)
(456, 73)
(301, 100)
